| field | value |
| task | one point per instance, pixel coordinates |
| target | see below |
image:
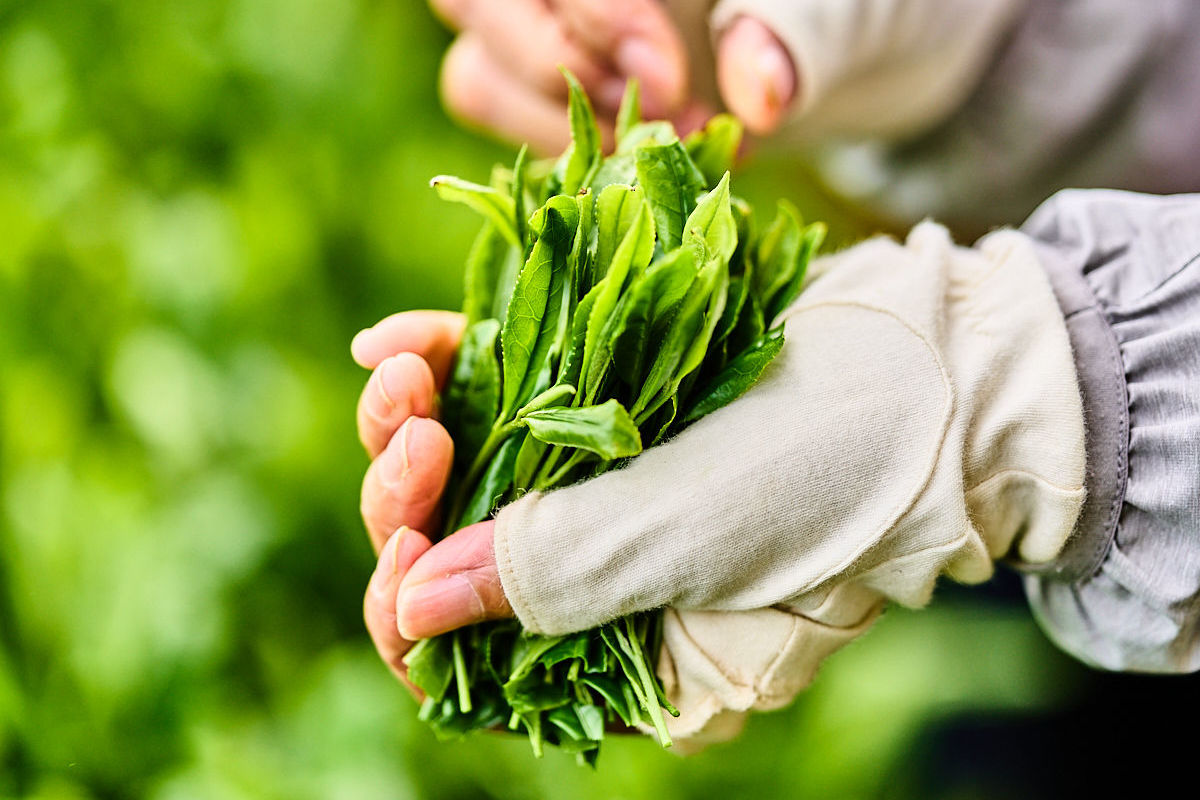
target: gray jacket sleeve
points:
(1125, 594)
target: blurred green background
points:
(200, 204)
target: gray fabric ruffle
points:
(1126, 268)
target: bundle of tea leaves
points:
(611, 301)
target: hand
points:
(922, 419)
(411, 354)
(501, 73)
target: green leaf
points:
(567, 648)
(529, 461)
(646, 312)
(472, 396)
(484, 270)
(709, 291)
(686, 340)
(567, 721)
(617, 208)
(811, 242)
(671, 183)
(592, 719)
(518, 194)
(431, 666)
(606, 429)
(553, 396)
(572, 362)
(646, 134)
(631, 257)
(582, 158)
(629, 113)
(610, 690)
(528, 651)
(735, 300)
(493, 485)
(778, 255)
(738, 375)
(584, 250)
(531, 325)
(495, 206)
(711, 224)
(617, 168)
(714, 147)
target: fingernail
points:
(776, 76)
(438, 605)
(639, 59)
(357, 344)
(385, 569)
(404, 429)
(386, 370)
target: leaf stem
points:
(638, 657)
(461, 678)
(556, 477)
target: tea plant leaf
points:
(738, 375)
(531, 323)
(495, 206)
(484, 270)
(472, 397)
(629, 113)
(714, 147)
(671, 183)
(606, 430)
(811, 241)
(582, 158)
(493, 485)
(711, 224)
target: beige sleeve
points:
(879, 67)
(921, 420)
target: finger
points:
(642, 41)
(379, 602)
(692, 117)
(404, 485)
(755, 75)
(453, 13)
(529, 42)
(433, 335)
(455, 583)
(400, 387)
(479, 92)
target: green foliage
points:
(200, 203)
(618, 304)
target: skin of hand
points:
(418, 589)
(501, 72)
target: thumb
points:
(455, 583)
(755, 75)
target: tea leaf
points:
(606, 430)
(714, 147)
(531, 323)
(494, 205)
(739, 375)
(671, 183)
